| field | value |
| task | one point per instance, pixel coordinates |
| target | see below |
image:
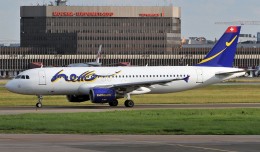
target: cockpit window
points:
(18, 77)
(22, 77)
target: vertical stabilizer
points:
(98, 54)
(223, 53)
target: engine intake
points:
(102, 95)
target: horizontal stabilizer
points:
(230, 73)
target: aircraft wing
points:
(136, 85)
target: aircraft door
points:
(42, 78)
(199, 76)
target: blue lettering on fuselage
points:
(86, 76)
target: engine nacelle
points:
(75, 98)
(102, 95)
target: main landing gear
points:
(39, 103)
(113, 103)
(129, 103)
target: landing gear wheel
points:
(129, 103)
(38, 105)
(113, 103)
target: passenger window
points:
(23, 77)
(27, 77)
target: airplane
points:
(97, 62)
(108, 84)
(89, 64)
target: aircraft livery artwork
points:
(84, 77)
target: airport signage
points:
(151, 15)
(82, 14)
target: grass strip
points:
(210, 94)
(163, 122)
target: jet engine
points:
(75, 98)
(102, 95)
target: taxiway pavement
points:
(128, 143)
(105, 107)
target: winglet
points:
(223, 53)
(186, 79)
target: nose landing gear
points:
(39, 103)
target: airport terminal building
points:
(141, 35)
(119, 29)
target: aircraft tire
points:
(129, 103)
(113, 103)
(38, 105)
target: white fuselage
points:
(78, 80)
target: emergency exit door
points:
(42, 78)
(199, 76)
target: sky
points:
(198, 16)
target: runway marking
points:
(187, 146)
(205, 148)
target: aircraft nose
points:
(10, 86)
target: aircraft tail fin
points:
(99, 54)
(223, 53)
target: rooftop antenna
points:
(51, 3)
(61, 2)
